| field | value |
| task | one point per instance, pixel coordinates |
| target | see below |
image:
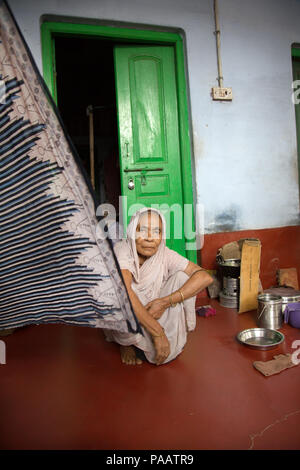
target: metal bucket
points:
(269, 312)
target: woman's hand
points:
(160, 341)
(157, 307)
(162, 348)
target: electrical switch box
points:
(221, 94)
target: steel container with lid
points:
(229, 267)
(288, 295)
(269, 312)
(289, 299)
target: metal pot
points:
(229, 267)
(269, 312)
(289, 299)
(287, 294)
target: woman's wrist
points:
(175, 298)
(166, 301)
(158, 334)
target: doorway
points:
(85, 84)
(108, 37)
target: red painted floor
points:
(64, 387)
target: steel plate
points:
(260, 338)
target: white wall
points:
(245, 154)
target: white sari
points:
(159, 276)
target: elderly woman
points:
(162, 286)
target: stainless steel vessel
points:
(230, 275)
(269, 312)
(289, 295)
(260, 338)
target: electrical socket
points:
(224, 94)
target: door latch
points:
(131, 184)
(143, 173)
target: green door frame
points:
(296, 51)
(51, 29)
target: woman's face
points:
(148, 234)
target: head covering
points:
(148, 277)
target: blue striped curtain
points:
(55, 265)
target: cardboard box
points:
(248, 250)
(249, 275)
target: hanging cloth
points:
(56, 266)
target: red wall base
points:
(280, 249)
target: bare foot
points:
(128, 356)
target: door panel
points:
(147, 105)
(158, 185)
(148, 131)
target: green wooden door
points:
(150, 162)
(296, 74)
